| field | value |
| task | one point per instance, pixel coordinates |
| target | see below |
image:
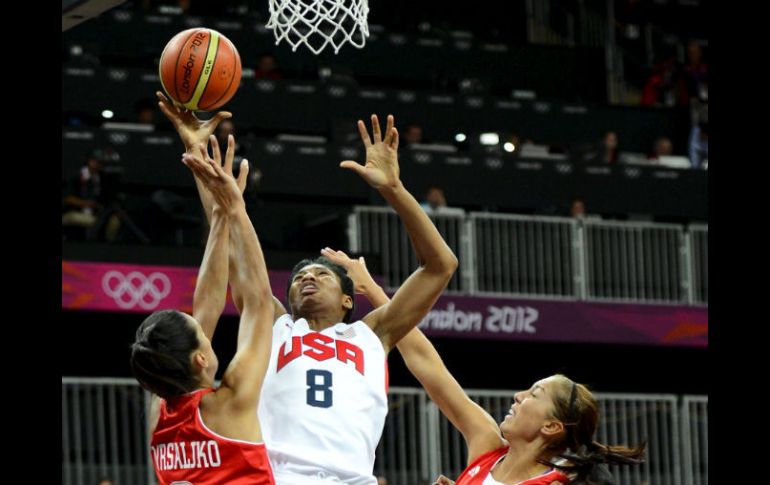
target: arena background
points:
(555, 75)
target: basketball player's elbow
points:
(453, 263)
(446, 265)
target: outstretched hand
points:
(381, 169)
(243, 173)
(191, 129)
(223, 187)
(356, 268)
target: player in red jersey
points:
(202, 435)
(547, 437)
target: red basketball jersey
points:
(184, 450)
(482, 466)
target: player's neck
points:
(520, 463)
(319, 321)
(205, 382)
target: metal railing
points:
(399, 456)
(699, 248)
(524, 255)
(104, 434)
(549, 257)
(104, 431)
(632, 418)
(378, 230)
(635, 262)
(695, 439)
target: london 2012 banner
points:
(115, 287)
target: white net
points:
(318, 23)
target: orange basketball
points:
(200, 69)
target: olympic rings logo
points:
(136, 289)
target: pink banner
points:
(117, 287)
(145, 289)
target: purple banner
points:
(144, 289)
(567, 321)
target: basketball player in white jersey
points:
(324, 400)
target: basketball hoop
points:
(318, 23)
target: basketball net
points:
(318, 23)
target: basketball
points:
(200, 69)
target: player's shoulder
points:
(284, 320)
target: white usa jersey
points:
(324, 402)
